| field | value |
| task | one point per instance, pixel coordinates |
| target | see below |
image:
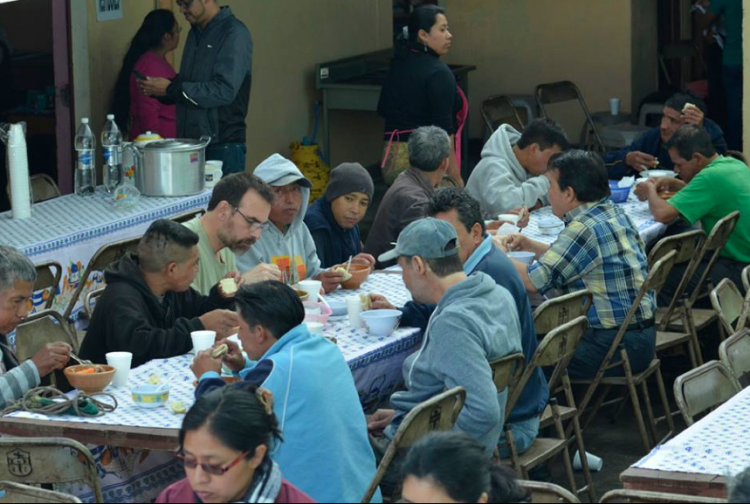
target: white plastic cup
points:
(614, 106)
(315, 328)
(312, 288)
(203, 340)
(354, 309)
(595, 463)
(121, 361)
(214, 173)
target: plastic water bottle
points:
(85, 143)
(112, 153)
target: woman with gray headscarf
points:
(17, 277)
(334, 219)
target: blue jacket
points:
(651, 143)
(334, 244)
(326, 452)
(491, 261)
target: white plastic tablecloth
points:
(649, 229)
(719, 444)
(70, 230)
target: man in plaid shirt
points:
(599, 250)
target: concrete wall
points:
(518, 44)
(291, 37)
(644, 50)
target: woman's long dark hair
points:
(150, 35)
(236, 417)
(458, 464)
(421, 18)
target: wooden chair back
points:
(45, 461)
(547, 492)
(704, 389)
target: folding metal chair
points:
(559, 311)
(43, 188)
(547, 492)
(40, 329)
(438, 414)
(696, 319)
(733, 309)
(16, 492)
(735, 355)
(688, 247)
(555, 351)
(746, 278)
(704, 389)
(655, 282)
(655, 498)
(45, 461)
(498, 110)
(48, 277)
(105, 256)
(566, 91)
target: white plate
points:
(657, 173)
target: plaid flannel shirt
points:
(600, 250)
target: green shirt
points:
(721, 188)
(732, 12)
(212, 270)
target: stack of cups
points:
(203, 340)
(354, 308)
(121, 361)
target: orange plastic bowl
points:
(360, 273)
(90, 383)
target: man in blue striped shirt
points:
(17, 277)
(599, 250)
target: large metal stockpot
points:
(175, 167)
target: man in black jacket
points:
(212, 91)
(148, 307)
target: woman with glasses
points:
(135, 112)
(225, 442)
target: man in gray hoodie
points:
(287, 243)
(511, 172)
(475, 323)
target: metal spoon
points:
(80, 361)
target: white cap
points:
(110, 117)
(85, 120)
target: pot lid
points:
(147, 137)
(176, 145)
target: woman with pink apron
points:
(421, 90)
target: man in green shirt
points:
(731, 10)
(711, 188)
(237, 214)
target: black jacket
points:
(130, 318)
(212, 91)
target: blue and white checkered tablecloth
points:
(638, 211)
(70, 230)
(719, 444)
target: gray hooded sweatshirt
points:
(499, 181)
(474, 324)
(296, 246)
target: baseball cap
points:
(291, 179)
(426, 238)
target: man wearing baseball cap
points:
(465, 333)
(287, 243)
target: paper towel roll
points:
(18, 164)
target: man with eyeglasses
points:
(287, 243)
(237, 216)
(212, 91)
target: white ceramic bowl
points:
(524, 257)
(315, 327)
(381, 322)
(145, 396)
(551, 226)
(512, 218)
(657, 173)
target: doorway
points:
(35, 38)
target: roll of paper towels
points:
(18, 164)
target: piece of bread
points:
(689, 106)
(220, 351)
(229, 286)
(366, 302)
(343, 271)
